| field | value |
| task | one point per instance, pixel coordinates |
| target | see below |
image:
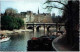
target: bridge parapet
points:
(45, 25)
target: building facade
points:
(30, 17)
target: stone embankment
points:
(13, 31)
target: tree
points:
(10, 23)
(20, 22)
(71, 19)
(72, 23)
(10, 11)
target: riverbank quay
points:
(14, 31)
(59, 44)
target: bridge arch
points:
(48, 28)
(30, 27)
(37, 28)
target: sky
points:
(26, 5)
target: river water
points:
(18, 42)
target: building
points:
(36, 18)
(39, 17)
(30, 17)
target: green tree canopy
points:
(10, 23)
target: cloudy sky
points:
(26, 5)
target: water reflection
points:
(18, 42)
(4, 45)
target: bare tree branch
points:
(54, 7)
(57, 2)
(54, 1)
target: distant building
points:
(29, 16)
(43, 17)
(53, 15)
(37, 18)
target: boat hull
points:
(4, 39)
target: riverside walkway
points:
(61, 46)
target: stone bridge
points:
(46, 26)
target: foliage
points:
(10, 23)
(10, 11)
